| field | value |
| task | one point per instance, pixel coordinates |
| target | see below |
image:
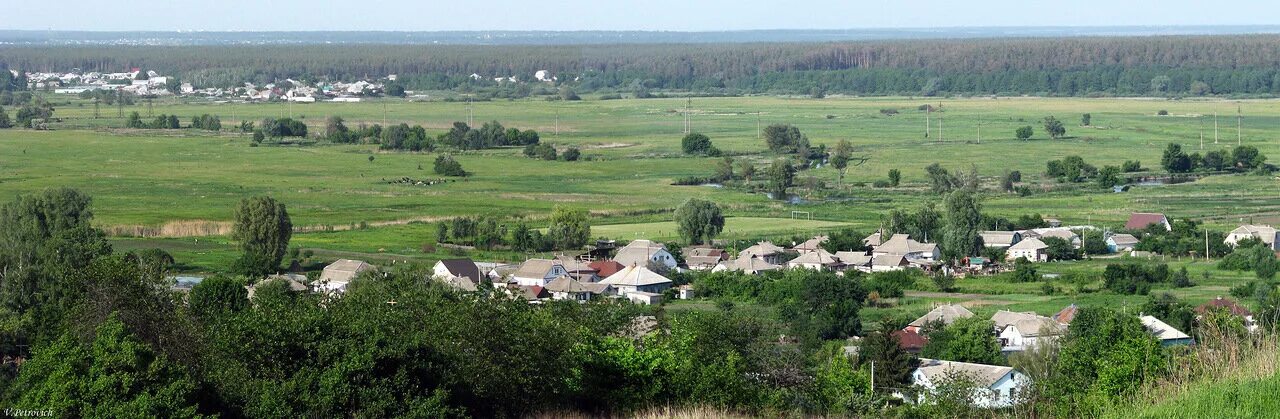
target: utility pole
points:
(759, 131)
(95, 108)
(1215, 127)
(941, 138)
(1202, 133)
(926, 120)
(150, 113)
(557, 122)
(687, 103)
(119, 104)
(979, 132)
(384, 115)
(1206, 244)
(1237, 124)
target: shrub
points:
(447, 166)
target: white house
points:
(815, 259)
(810, 245)
(1267, 234)
(997, 386)
(1029, 332)
(637, 279)
(1030, 249)
(642, 252)
(338, 275)
(746, 263)
(886, 263)
(461, 273)
(538, 272)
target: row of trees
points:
(1243, 158)
(1060, 66)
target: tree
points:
(569, 229)
(781, 175)
(1160, 84)
(4, 119)
(1108, 177)
(1247, 157)
(895, 177)
(116, 375)
(1105, 354)
(1060, 249)
(395, 89)
(787, 139)
(1054, 127)
(696, 143)
(571, 154)
(567, 93)
(263, 229)
(134, 121)
(960, 236)
(940, 180)
(1175, 160)
(1024, 133)
(1199, 88)
(217, 295)
(965, 340)
(447, 166)
(1086, 119)
(699, 221)
(840, 159)
(893, 364)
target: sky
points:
(652, 15)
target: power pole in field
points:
(687, 103)
(979, 132)
(1215, 127)
(759, 131)
(927, 107)
(95, 108)
(1237, 124)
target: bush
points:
(695, 143)
(447, 166)
(1131, 166)
(571, 154)
(1133, 278)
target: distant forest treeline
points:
(1245, 64)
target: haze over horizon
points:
(655, 15)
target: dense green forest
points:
(1172, 65)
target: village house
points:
(642, 252)
(1267, 234)
(1031, 249)
(901, 244)
(997, 386)
(463, 273)
(685, 292)
(1000, 239)
(1067, 314)
(810, 245)
(910, 340)
(1004, 318)
(701, 258)
(886, 263)
(578, 269)
(767, 251)
(1168, 335)
(295, 282)
(566, 288)
(859, 261)
(338, 275)
(633, 279)
(1229, 306)
(1060, 233)
(604, 268)
(1121, 242)
(538, 272)
(947, 314)
(873, 240)
(747, 263)
(816, 260)
(1141, 220)
(1028, 332)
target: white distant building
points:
(996, 386)
(538, 272)
(1030, 249)
(1029, 332)
(338, 275)
(543, 75)
(642, 252)
(1267, 234)
(633, 279)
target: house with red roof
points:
(1141, 220)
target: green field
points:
(177, 187)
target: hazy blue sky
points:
(679, 15)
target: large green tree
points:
(263, 228)
(783, 138)
(781, 174)
(1105, 356)
(963, 215)
(115, 375)
(570, 228)
(699, 220)
(965, 340)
